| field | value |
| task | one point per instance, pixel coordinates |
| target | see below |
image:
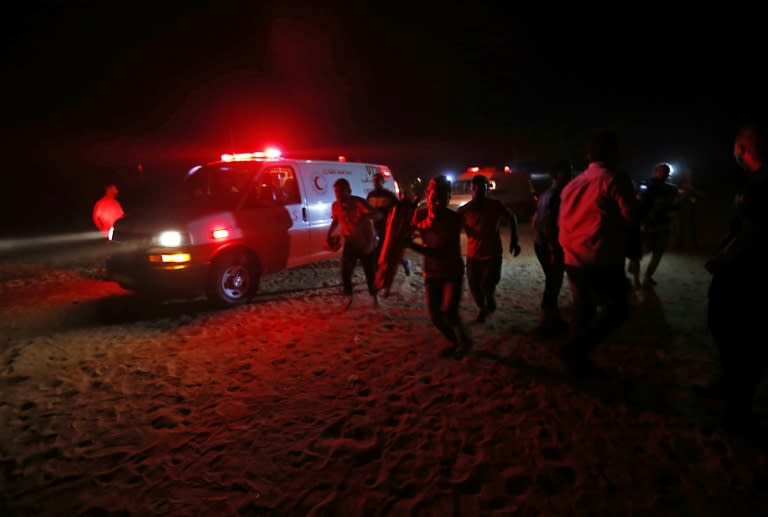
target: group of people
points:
(436, 234)
(358, 225)
(586, 228)
(589, 228)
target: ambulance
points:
(231, 221)
(513, 188)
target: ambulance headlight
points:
(171, 239)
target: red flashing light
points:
(220, 233)
(342, 158)
(270, 153)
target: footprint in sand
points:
(164, 422)
(517, 484)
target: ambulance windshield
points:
(217, 186)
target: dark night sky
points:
(93, 88)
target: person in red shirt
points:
(354, 218)
(482, 219)
(107, 210)
(439, 229)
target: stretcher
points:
(396, 236)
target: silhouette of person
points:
(597, 212)
(735, 315)
(657, 202)
(685, 226)
(383, 200)
(548, 250)
(439, 229)
(482, 218)
(354, 216)
(107, 210)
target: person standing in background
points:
(107, 210)
(685, 230)
(657, 202)
(548, 250)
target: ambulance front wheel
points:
(234, 280)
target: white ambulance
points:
(513, 188)
(232, 221)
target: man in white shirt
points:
(597, 219)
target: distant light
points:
(672, 169)
(342, 158)
(449, 177)
(474, 169)
(507, 169)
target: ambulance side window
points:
(291, 189)
(260, 195)
(283, 181)
(275, 186)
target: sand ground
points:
(110, 405)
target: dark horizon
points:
(95, 91)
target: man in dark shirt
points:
(548, 249)
(657, 201)
(382, 201)
(735, 314)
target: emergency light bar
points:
(268, 154)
